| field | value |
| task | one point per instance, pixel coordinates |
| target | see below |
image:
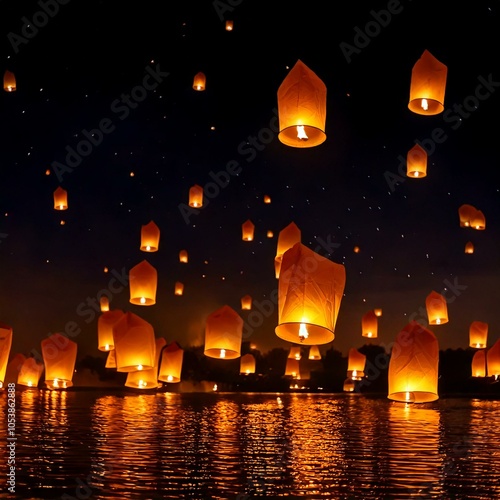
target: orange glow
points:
(416, 162)
(286, 239)
(196, 196)
(314, 352)
(478, 334)
(60, 199)
(5, 346)
(469, 247)
(248, 230)
(246, 302)
(9, 81)
(179, 288)
(171, 364)
(143, 280)
(356, 364)
(199, 82)
(223, 333)
(229, 25)
(437, 310)
(105, 325)
(30, 373)
(147, 379)
(59, 358)
(369, 325)
(150, 237)
(493, 360)
(183, 256)
(247, 364)
(478, 365)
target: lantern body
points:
(223, 333)
(247, 229)
(60, 199)
(30, 373)
(13, 368)
(356, 364)
(246, 303)
(478, 221)
(270, 234)
(105, 325)
(286, 239)
(179, 288)
(369, 325)
(171, 364)
(413, 367)
(143, 280)
(59, 358)
(309, 294)
(267, 199)
(104, 303)
(247, 364)
(292, 368)
(302, 108)
(349, 385)
(478, 365)
(314, 352)
(229, 25)
(183, 256)
(9, 81)
(150, 237)
(5, 346)
(111, 359)
(147, 379)
(135, 343)
(196, 196)
(356, 249)
(469, 247)
(295, 353)
(437, 310)
(478, 334)
(200, 81)
(378, 312)
(416, 162)
(466, 213)
(493, 360)
(428, 85)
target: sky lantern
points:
(437, 310)
(378, 312)
(428, 85)
(199, 81)
(349, 385)
(302, 108)
(247, 230)
(59, 358)
(246, 302)
(287, 237)
(135, 343)
(178, 288)
(229, 25)
(247, 364)
(292, 368)
(478, 334)
(9, 81)
(30, 372)
(5, 346)
(469, 247)
(356, 364)
(310, 290)
(478, 365)
(493, 360)
(147, 379)
(270, 234)
(150, 237)
(295, 353)
(105, 324)
(111, 359)
(171, 364)
(196, 196)
(104, 303)
(466, 213)
(369, 325)
(223, 334)
(13, 368)
(60, 199)
(314, 352)
(143, 279)
(183, 256)
(478, 221)
(416, 162)
(356, 249)
(413, 366)
(267, 199)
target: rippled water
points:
(237, 446)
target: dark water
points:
(229, 446)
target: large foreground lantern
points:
(292, 368)
(302, 108)
(413, 367)
(247, 364)
(59, 358)
(478, 334)
(196, 196)
(369, 325)
(147, 379)
(30, 372)
(286, 239)
(478, 365)
(310, 290)
(60, 199)
(105, 323)
(356, 364)
(223, 333)
(428, 85)
(437, 310)
(493, 360)
(416, 162)
(5, 346)
(171, 364)
(150, 237)
(247, 230)
(143, 279)
(9, 81)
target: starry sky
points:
(123, 74)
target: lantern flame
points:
(354, 374)
(303, 333)
(369, 334)
(139, 367)
(106, 347)
(30, 383)
(222, 353)
(425, 104)
(438, 321)
(170, 378)
(143, 300)
(416, 174)
(301, 133)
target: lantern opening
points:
(425, 104)
(301, 133)
(222, 353)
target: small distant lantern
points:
(478, 334)
(247, 229)
(287, 237)
(267, 199)
(147, 379)
(200, 81)
(30, 373)
(111, 359)
(229, 25)
(247, 364)
(223, 334)
(469, 247)
(60, 199)
(493, 360)
(5, 346)
(302, 108)
(466, 213)
(437, 310)
(349, 385)
(428, 85)
(196, 196)
(104, 303)
(179, 288)
(295, 353)
(59, 358)
(9, 81)
(270, 234)
(314, 352)
(416, 162)
(413, 366)
(378, 312)
(478, 365)
(150, 237)
(369, 325)
(105, 324)
(171, 364)
(246, 303)
(478, 221)
(356, 249)
(356, 364)
(292, 368)
(143, 279)
(309, 294)
(183, 256)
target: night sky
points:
(74, 75)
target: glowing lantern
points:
(413, 367)
(356, 364)
(428, 85)
(309, 294)
(183, 256)
(105, 325)
(200, 81)
(369, 325)
(247, 229)
(349, 385)
(302, 108)
(478, 221)
(150, 237)
(223, 333)
(478, 334)
(437, 310)
(13, 368)
(171, 364)
(378, 312)
(292, 368)
(229, 25)
(59, 358)
(466, 213)
(270, 234)
(478, 365)
(246, 302)
(493, 360)
(356, 249)
(143, 280)
(295, 353)
(60, 199)
(111, 359)
(30, 373)
(196, 196)
(416, 162)
(247, 364)
(104, 303)
(147, 379)
(286, 239)
(469, 247)
(179, 288)
(5, 345)
(135, 343)
(267, 199)
(9, 81)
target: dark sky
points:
(74, 71)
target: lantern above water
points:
(413, 367)
(105, 325)
(13, 368)
(196, 196)
(179, 288)
(466, 213)
(356, 364)
(469, 247)
(147, 379)
(310, 290)
(143, 279)
(9, 81)
(59, 358)
(30, 373)
(246, 302)
(295, 353)
(437, 310)
(416, 162)
(223, 333)
(229, 25)
(5, 346)
(183, 256)
(428, 85)
(302, 108)
(493, 360)
(349, 385)
(150, 237)
(171, 364)
(369, 325)
(104, 303)
(60, 199)
(200, 81)
(286, 239)
(292, 368)
(478, 365)
(247, 230)
(314, 352)
(247, 364)
(478, 334)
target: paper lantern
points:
(302, 108)
(147, 379)
(270, 234)
(466, 213)
(229, 25)
(247, 364)
(369, 325)
(247, 229)
(295, 353)
(287, 237)
(111, 359)
(246, 302)
(105, 324)
(143, 280)
(179, 288)
(413, 366)
(416, 162)
(349, 385)
(9, 81)
(469, 247)
(183, 256)
(428, 85)
(478, 365)
(356, 364)
(30, 372)
(437, 310)
(60, 199)
(356, 249)
(135, 343)
(171, 364)
(314, 352)
(150, 237)
(200, 81)
(13, 368)
(493, 360)
(267, 199)
(310, 290)
(478, 221)
(104, 303)
(478, 334)
(59, 358)
(5, 346)
(196, 196)
(292, 368)
(223, 333)
(378, 312)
